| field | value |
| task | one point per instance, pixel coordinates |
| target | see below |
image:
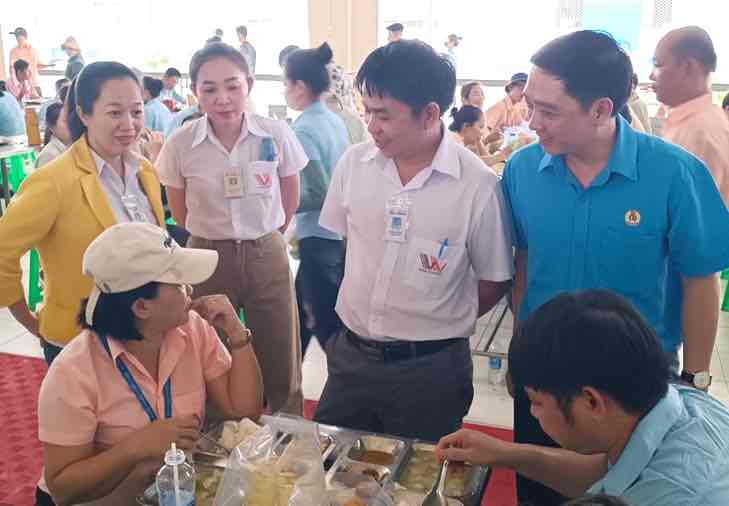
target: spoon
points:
(436, 497)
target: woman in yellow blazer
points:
(62, 207)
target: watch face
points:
(702, 380)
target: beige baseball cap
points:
(129, 255)
(71, 43)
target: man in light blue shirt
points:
(598, 382)
(157, 117)
(169, 83)
(596, 204)
(12, 119)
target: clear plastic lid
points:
(174, 457)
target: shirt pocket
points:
(630, 261)
(189, 403)
(260, 178)
(432, 269)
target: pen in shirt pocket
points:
(443, 246)
(268, 150)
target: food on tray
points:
(271, 486)
(234, 433)
(377, 457)
(422, 470)
(206, 485)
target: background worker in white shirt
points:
(428, 250)
(232, 179)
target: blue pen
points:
(443, 246)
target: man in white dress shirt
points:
(428, 251)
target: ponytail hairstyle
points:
(466, 115)
(86, 88)
(53, 112)
(310, 67)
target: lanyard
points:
(137, 391)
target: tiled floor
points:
(491, 406)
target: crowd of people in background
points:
(606, 240)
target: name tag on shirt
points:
(131, 205)
(397, 219)
(234, 186)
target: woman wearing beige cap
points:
(139, 375)
(75, 60)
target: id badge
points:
(233, 184)
(397, 217)
(131, 205)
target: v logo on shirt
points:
(431, 264)
(264, 180)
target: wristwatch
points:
(243, 342)
(700, 380)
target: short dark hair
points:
(53, 112)
(590, 64)
(113, 315)
(60, 83)
(597, 500)
(466, 89)
(152, 85)
(172, 72)
(695, 42)
(591, 338)
(20, 65)
(87, 88)
(466, 115)
(310, 67)
(242, 30)
(211, 52)
(284, 54)
(725, 102)
(410, 72)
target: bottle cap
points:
(174, 457)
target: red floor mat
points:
(20, 379)
(21, 452)
(501, 490)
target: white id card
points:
(397, 217)
(131, 205)
(233, 184)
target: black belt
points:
(392, 351)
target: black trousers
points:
(317, 285)
(528, 430)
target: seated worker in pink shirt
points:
(138, 377)
(22, 89)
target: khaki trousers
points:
(255, 275)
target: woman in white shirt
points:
(232, 180)
(57, 137)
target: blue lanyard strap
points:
(137, 391)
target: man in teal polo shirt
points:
(597, 205)
(624, 430)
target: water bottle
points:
(176, 480)
(497, 365)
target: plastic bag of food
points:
(279, 465)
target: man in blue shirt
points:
(597, 205)
(598, 381)
(157, 117)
